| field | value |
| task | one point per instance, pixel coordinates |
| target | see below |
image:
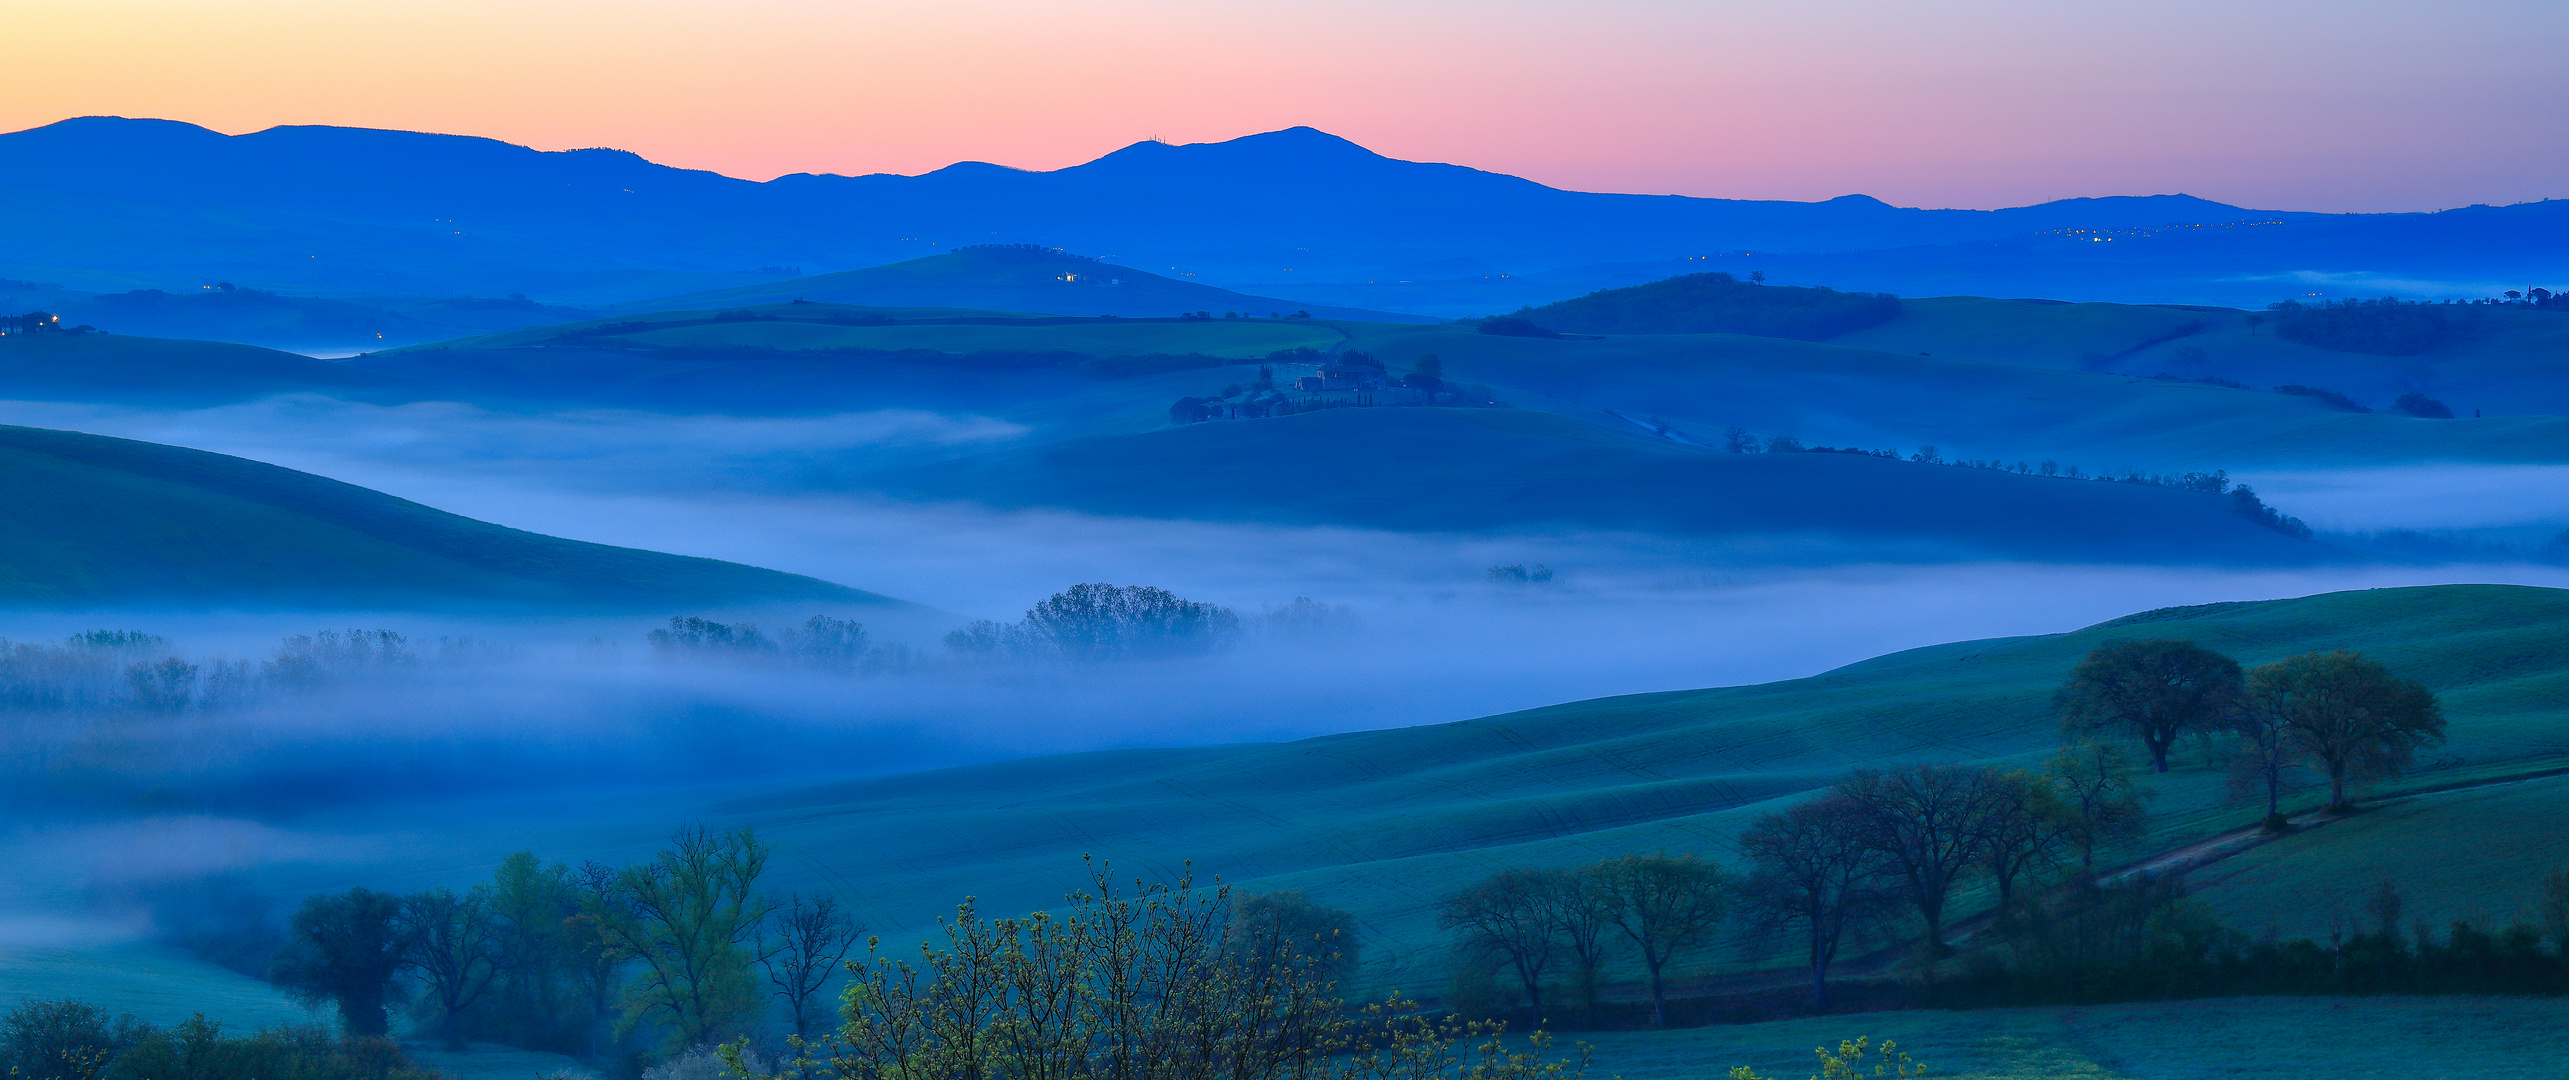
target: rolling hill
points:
(1461, 470)
(100, 521)
(1013, 277)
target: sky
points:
(2350, 105)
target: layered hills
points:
(106, 204)
(95, 520)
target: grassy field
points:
(96, 519)
(158, 985)
(2244, 1038)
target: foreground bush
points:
(1137, 986)
(70, 1040)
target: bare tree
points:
(1929, 823)
(1581, 913)
(1815, 869)
(2350, 713)
(2093, 784)
(2266, 757)
(1665, 905)
(455, 951)
(1510, 916)
(812, 938)
(2154, 690)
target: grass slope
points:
(1386, 822)
(96, 519)
(1477, 469)
(1014, 278)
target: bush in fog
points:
(691, 634)
(63, 1040)
(1098, 622)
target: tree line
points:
(1098, 622)
(1889, 848)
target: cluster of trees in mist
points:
(134, 671)
(2239, 499)
(2384, 327)
(1884, 854)
(63, 1039)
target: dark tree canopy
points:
(1664, 905)
(2348, 713)
(1929, 824)
(345, 950)
(2154, 691)
(1816, 872)
(1716, 303)
(2385, 327)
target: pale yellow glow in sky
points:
(2358, 105)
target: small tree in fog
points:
(826, 642)
(2154, 691)
(1665, 906)
(1288, 928)
(811, 938)
(691, 634)
(455, 951)
(345, 949)
(1097, 621)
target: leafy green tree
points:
(1666, 906)
(531, 904)
(1815, 870)
(2155, 691)
(1509, 916)
(2092, 783)
(689, 919)
(345, 949)
(1929, 823)
(2350, 714)
(455, 951)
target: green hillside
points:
(100, 520)
(1014, 277)
(1476, 469)
(1385, 822)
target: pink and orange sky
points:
(2346, 105)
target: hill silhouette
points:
(119, 204)
(101, 520)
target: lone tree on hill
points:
(2156, 690)
(2348, 712)
(1815, 870)
(1666, 905)
(345, 949)
(1930, 824)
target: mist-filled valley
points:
(494, 613)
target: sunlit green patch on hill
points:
(95, 519)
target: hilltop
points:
(97, 520)
(1014, 277)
